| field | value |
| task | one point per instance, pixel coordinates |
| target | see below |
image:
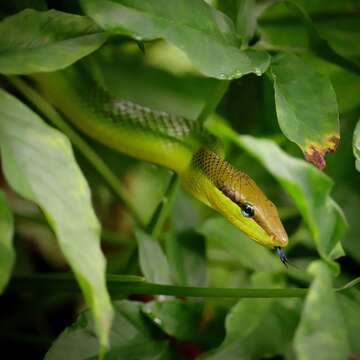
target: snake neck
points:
(209, 174)
(151, 135)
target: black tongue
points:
(281, 255)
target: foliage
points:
(284, 75)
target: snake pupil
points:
(247, 210)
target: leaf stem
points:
(98, 163)
(120, 286)
(123, 285)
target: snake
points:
(177, 143)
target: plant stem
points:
(161, 213)
(213, 102)
(98, 163)
(120, 286)
(123, 285)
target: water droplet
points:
(258, 72)
(238, 73)
(157, 321)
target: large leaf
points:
(308, 187)
(206, 35)
(7, 254)
(186, 252)
(153, 262)
(130, 338)
(351, 313)
(33, 41)
(257, 328)
(321, 333)
(39, 164)
(306, 107)
(356, 146)
(178, 318)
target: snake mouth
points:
(281, 255)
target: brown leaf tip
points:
(315, 153)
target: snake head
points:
(243, 203)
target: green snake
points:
(172, 141)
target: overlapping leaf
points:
(257, 328)
(131, 338)
(321, 333)
(308, 187)
(7, 254)
(206, 35)
(33, 41)
(153, 262)
(39, 164)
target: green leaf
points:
(246, 20)
(351, 313)
(257, 328)
(226, 236)
(356, 146)
(7, 253)
(33, 41)
(334, 35)
(321, 333)
(243, 13)
(153, 262)
(131, 337)
(308, 187)
(177, 318)
(39, 164)
(206, 35)
(306, 107)
(186, 252)
(320, 46)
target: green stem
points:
(53, 116)
(213, 102)
(120, 286)
(350, 284)
(162, 211)
(123, 285)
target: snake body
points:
(168, 140)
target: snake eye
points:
(247, 210)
